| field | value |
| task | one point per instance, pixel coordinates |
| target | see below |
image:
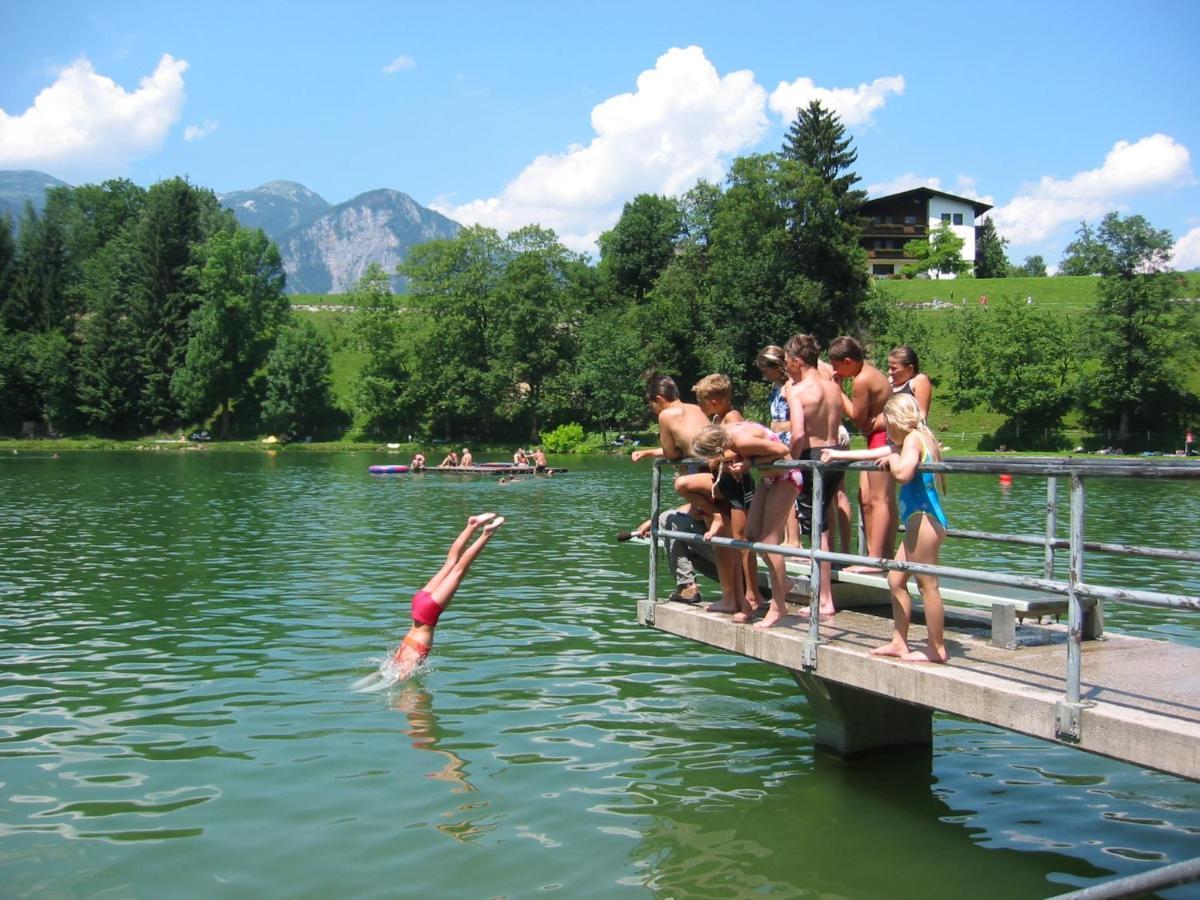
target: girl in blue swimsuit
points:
(910, 444)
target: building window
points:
(946, 218)
(958, 218)
(883, 271)
(910, 220)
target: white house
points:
(896, 219)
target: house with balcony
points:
(894, 220)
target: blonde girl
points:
(925, 523)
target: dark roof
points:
(924, 193)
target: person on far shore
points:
(925, 524)
(466, 459)
(871, 391)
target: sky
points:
(558, 113)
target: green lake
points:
(181, 632)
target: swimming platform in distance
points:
(482, 469)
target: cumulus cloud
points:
(399, 64)
(854, 106)
(682, 123)
(1186, 253)
(85, 122)
(201, 131)
(1151, 164)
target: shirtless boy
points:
(821, 400)
(871, 390)
(678, 425)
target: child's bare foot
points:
(480, 518)
(724, 606)
(928, 655)
(773, 615)
(493, 524)
(863, 570)
(825, 613)
(894, 648)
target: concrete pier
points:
(1141, 698)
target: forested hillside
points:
(126, 311)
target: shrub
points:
(564, 438)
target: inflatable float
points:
(387, 470)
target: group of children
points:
(807, 405)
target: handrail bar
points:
(1050, 586)
(1140, 883)
(1069, 719)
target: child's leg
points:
(929, 537)
(456, 549)
(779, 502)
(901, 606)
(447, 581)
(754, 599)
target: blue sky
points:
(560, 112)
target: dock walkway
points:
(1142, 696)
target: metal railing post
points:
(1069, 725)
(655, 503)
(809, 658)
(1051, 523)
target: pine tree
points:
(990, 259)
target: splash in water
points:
(390, 673)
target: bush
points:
(564, 438)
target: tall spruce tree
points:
(990, 258)
(828, 264)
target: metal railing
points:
(1074, 588)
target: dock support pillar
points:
(852, 721)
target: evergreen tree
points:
(990, 259)
(35, 300)
(8, 259)
(828, 268)
(163, 292)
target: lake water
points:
(181, 630)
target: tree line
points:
(125, 311)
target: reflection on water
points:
(181, 632)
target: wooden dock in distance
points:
(1142, 696)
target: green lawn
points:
(1060, 292)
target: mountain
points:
(276, 207)
(331, 253)
(17, 186)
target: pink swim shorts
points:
(425, 610)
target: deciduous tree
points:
(941, 253)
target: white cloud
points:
(201, 131)
(681, 124)
(1186, 253)
(399, 64)
(86, 122)
(854, 106)
(1153, 163)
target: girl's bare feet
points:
(723, 606)
(825, 613)
(480, 518)
(493, 524)
(773, 615)
(928, 655)
(894, 648)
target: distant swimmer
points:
(430, 602)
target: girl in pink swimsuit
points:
(431, 601)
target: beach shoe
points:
(686, 594)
